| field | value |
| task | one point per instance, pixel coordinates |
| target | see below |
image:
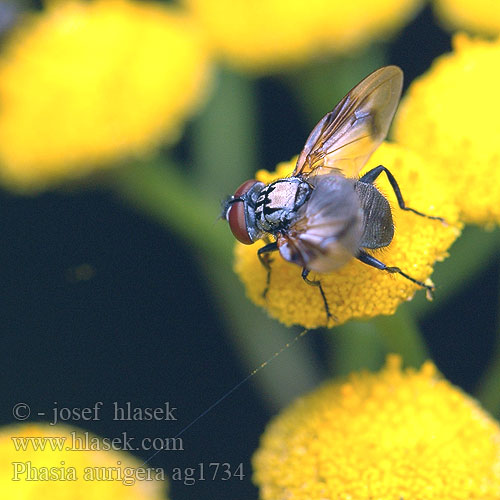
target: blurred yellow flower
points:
(269, 34)
(450, 116)
(358, 290)
(388, 436)
(477, 16)
(87, 84)
(61, 474)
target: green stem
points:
(356, 346)
(224, 151)
(401, 335)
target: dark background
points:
(141, 326)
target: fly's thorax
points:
(278, 203)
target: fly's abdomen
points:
(377, 217)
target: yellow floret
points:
(391, 435)
(478, 16)
(87, 84)
(268, 34)
(358, 290)
(450, 116)
(79, 470)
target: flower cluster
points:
(449, 116)
(397, 434)
(88, 84)
(476, 16)
(358, 290)
(43, 461)
(267, 34)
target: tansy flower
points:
(391, 435)
(88, 84)
(59, 462)
(450, 117)
(478, 16)
(268, 34)
(358, 290)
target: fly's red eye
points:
(237, 223)
(236, 214)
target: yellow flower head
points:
(358, 290)
(478, 16)
(267, 34)
(67, 464)
(391, 435)
(450, 116)
(91, 83)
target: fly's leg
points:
(263, 254)
(372, 261)
(370, 177)
(305, 274)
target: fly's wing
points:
(328, 228)
(347, 136)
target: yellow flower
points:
(79, 474)
(450, 116)
(392, 435)
(268, 34)
(478, 16)
(88, 84)
(358, 290)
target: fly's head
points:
(239, 211)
